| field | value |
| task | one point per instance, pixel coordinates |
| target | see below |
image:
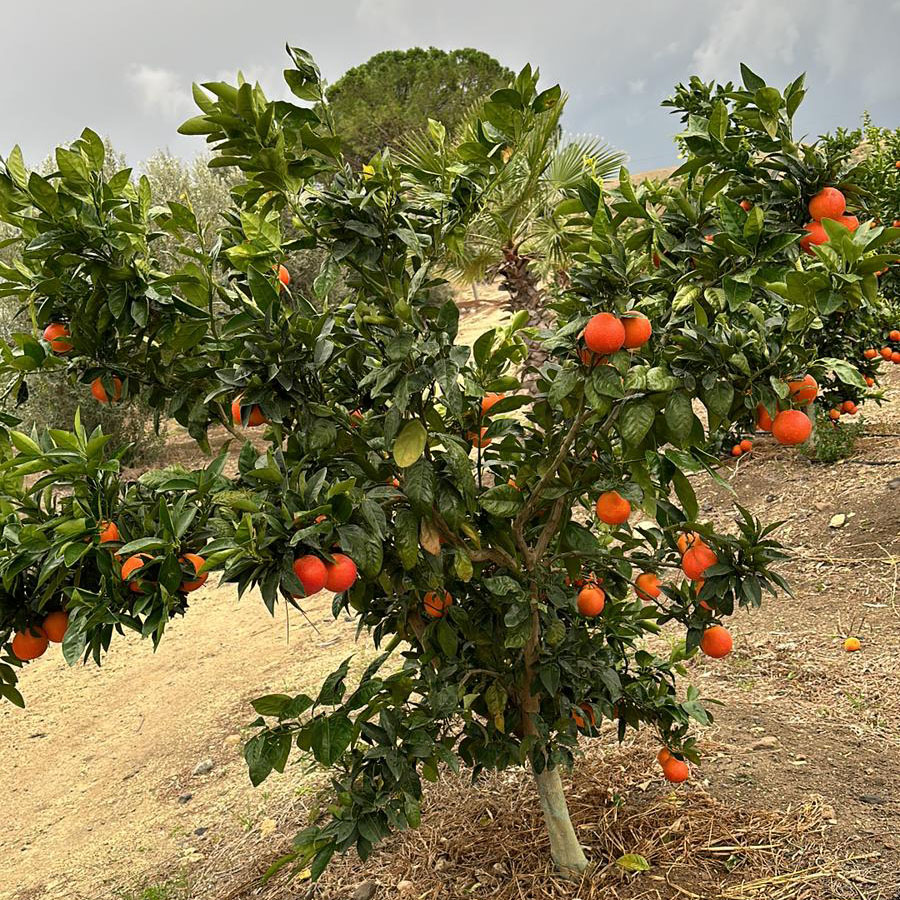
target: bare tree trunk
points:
(567, 853)
(525, 293)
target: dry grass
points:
(488, 841)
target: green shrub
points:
(834, 440)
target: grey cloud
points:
(126, 68)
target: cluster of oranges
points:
(315, 574)
(57, 335)
(887, 353)
(848, 407)
(829, 203)
(606, 333)
(791, 426)
(34, 640)
(745, 446)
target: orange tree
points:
(508, 552)
(752, 235)
(877, 150)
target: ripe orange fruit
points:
(591, 600)
(664, 755)
(197, 561)
(646, 586)
(131, 565)
(30, 643)
(393, 482)
(851, 223)
(604, 333)
(637, 330)
(55, 625)
(108, 532)
(791, 427)
(99, 391)
(871, 353)
(746, 445)
(676, 770)
(834, 414)
(716, 642)
(763, 419)
(697, 560)
(284, 276)
(746, 205)
(849, 407)
(612, 508)
(896, 222)
(894, 335)
(310, 572)
(488, 401)
(815, 235)
(588, 710)
(885, 352)
(804, 391)
(736, 450)
(356, 418)
(55, 335)
(255, 418)
(897, 164)
(829, 203)
(437, 603)
(340, 575)
(852, 644)
(895, 357)
(870, 381)
(478, 439)
(708, 238)
(688, 540)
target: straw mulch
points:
(488, 841)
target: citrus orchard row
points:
(443, 493)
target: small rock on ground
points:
(366, 891)
(765, 743)
(204, 767)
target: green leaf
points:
(329, 737)
(636, 421)
(503, 500)
(718, 399)
(406, 538)
(751, 80)
(680, 416)
(565, 382)
(846, 372)
(420, 484)
(410, 443)
(198, 125)
(633, 862)
(718, 121)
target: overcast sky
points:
(125, 67)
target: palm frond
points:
(568, 165)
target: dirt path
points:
(97, 771)
(100, 762)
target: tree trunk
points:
(567, 853)
(525, 293)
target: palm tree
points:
(526, 224)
